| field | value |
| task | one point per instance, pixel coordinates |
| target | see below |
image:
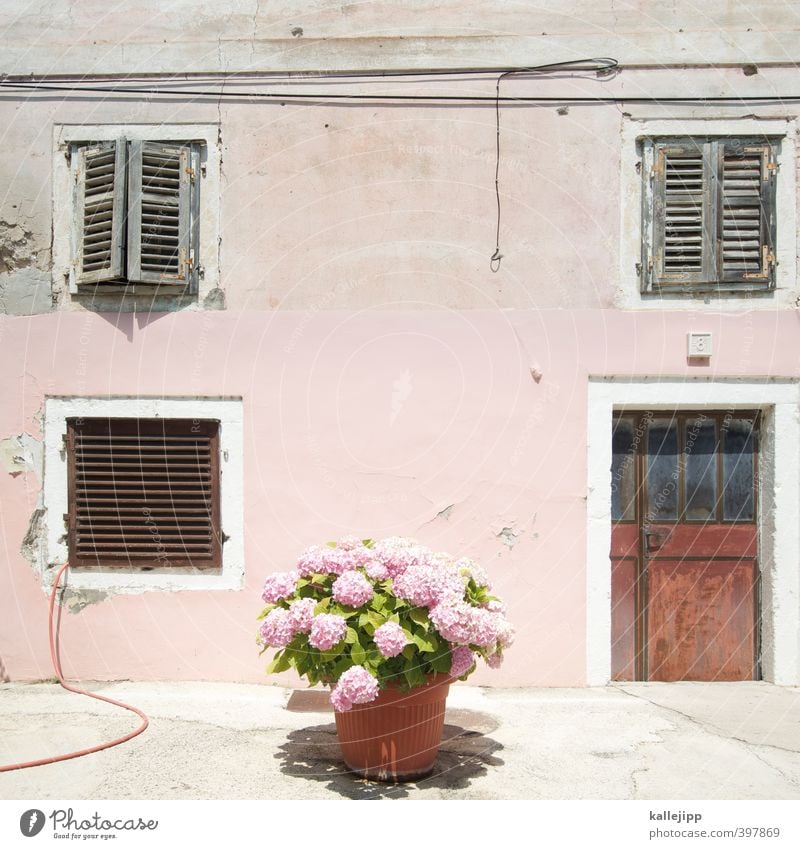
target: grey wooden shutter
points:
(100, 212)
(144, 493)
(746, 222)
(681, 254)
(161, 242)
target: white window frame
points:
(65, 225)
(628, 291)
(778, 511)
(229, 412)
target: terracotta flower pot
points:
(396, 737)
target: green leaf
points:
(358, 654)
(351, 637)
(322, 606)
(414, 676)
(441, 662)
(331, 654)
(341, 666)
(279, 663)
(331, 544)
(422, 642)
(368, 543)
(410, 650)
(418, 615)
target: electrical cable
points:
(288, 97)
(54, 656)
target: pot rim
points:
(434, 689)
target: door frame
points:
(778, 518)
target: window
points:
(136, 212)
(143, 493)
(122, 194)
(709, 215)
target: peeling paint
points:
(33, 541)
(214, 300)
(76, 600)
(445, 514)
(19, 454)
(16, 250)
(508, 536)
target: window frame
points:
(206, 214)
(628, 293)
(228, 411)
(712, 276)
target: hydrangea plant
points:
(362, 614)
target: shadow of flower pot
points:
(465, 754)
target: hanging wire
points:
(595, 65)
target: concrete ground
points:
(240, 741)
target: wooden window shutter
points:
(709, 216)
(746, 220)
(100, 210)
(144, 493)
(682, 209)
(162, 223)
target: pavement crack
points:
(705, 726)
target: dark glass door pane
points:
(623, 472)
(737, 471)
(701, 469)
(662, 470)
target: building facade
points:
(253, 252)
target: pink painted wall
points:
(354, 253)
(324, 456)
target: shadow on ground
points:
(466, 753)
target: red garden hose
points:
(57, 667)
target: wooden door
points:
(684, 551)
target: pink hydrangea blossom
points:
(310, 561)
(361, 555)
(337, 561)
(301, 613)
(494, 661)
(278, 586)
(390, 639)
(397, 554)
(339, 701)
(506, 633)
(425, 585)
(463, 659)
(348, 543)
(485, 626)
(355, 687)
(352, 589)
(496, 606)
(376, 570)
(468, 568)
(453, 620)
(277, 629)
(327, 630)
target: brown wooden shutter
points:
(100, 208)
(682, 215)
(144, 493)
(746, 212)
(161, 227)
(712, 211)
